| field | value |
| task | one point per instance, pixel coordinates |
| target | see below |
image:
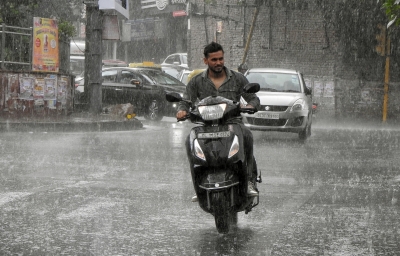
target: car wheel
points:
(153, 112)
(304, 134)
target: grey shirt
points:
(201, 86)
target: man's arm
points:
(189, 94)
(251, 98)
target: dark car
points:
(145, 88)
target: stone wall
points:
(315, 37)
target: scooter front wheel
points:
(221, 211)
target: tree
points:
(16, 13)
(20, 13)
(392, 9)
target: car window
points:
(279, 82)
(109, 75)
(160, 77)
(184, 59)
(170, 60)
(127, 76)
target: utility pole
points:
(387, 76)
(93, 56)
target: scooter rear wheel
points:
(221, 212)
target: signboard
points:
(121, 7)
(142, 29)
(160, 4)
(179, 13)
(45, 45)
(110, 27)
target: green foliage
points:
(66, 28)
(392, 9)
(17, 13)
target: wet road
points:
(128, 193)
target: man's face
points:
(215, 61)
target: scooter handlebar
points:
(248, 110)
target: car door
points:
(134, 93)
(111, 89)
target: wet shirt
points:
(201, 86)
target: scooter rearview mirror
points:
(251, 88)
(173, 97)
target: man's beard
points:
(217, 71)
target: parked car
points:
(286, 102)
(145, 88)
(177, 60)
(183, 76)
(113, 63)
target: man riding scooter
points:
(217, 80)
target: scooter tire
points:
(221, 212)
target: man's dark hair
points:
(212, 47)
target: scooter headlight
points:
(212, 112)
(234, 148)
(198, 151)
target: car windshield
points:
(276, 82)
(184, 59)
(160, 77)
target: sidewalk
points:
(76, 122)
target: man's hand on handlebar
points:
(181, 114)
(248, 109)
(246, 106)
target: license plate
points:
(212, 135)
(267, 115)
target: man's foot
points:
(195, 199)
(251, 191)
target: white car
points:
(176, 60)
(286, 102)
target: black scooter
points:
(217, 156)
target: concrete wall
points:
(315, 37)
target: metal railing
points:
(16, 47)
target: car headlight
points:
(198, 151)
(212, 112)
(234, 148)
(299, 104)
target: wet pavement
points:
(128, 193)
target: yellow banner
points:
(45, 45)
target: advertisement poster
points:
(26, 85)
(62, 91)
(50, 88)
(13, 86)
(318, 88)
(45, 45)
(329, 89)
(38, 89)
(110, 27)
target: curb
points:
(71, 126)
